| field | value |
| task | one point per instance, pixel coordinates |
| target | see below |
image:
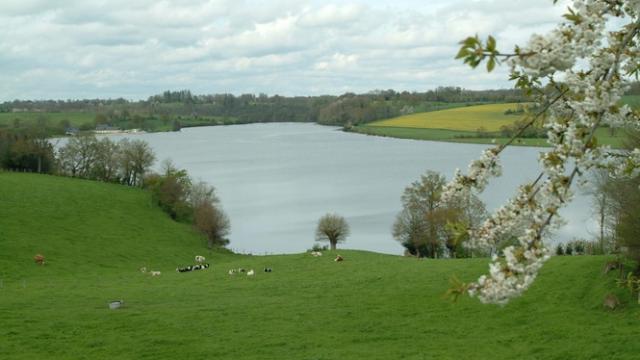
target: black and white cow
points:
(193, 268)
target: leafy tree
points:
(427, 227)
(77, 157)
(170, 190)
(136, 157)
(332, 228)
(559, 250)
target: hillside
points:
(95, 237)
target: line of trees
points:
(26, 150)
(182, 108)
(88, 157)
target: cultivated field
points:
(96, 236)
(469, 118)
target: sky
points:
(77, 49)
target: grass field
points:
(603, 135)
(468, 118)
(50, 118)
(95, 236)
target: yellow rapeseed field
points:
(469, 118)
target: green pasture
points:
(96, 236)
(51, 119)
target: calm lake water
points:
(276, 180)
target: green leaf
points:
(491, 64)
(464, 52)
(491, 43)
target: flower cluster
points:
(577, 99)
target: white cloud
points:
(73, 48)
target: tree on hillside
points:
(576, 75)
(135, 160)
(170, 190)
(213, 223)
(332, 228)
(77, 156)
(105, 165)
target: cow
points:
(155, 273)
(193, 268)
(200, 259)
(39, 259)
(251, 272)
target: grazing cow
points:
(39, 259)
(338, 258)
(267, 270)
(232, 272)
(155, 273)
(200, 259)
(250, 273)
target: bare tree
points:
(332, 228)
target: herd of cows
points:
(201, 265)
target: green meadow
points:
(51, 119)
(96, 236)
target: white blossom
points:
(577, 100)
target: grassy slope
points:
(370, 306)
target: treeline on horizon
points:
(176, 109)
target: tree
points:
(208, 216)
(427, 227)
(623, 206)
(576, 75)
(136, 157)
(332, 228)
(213, 223)
(170, 190)
(77, 156)
(105, 166)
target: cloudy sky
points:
(59, 49)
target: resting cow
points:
(193, 268)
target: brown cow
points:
(39, 259)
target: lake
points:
(276, 180)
